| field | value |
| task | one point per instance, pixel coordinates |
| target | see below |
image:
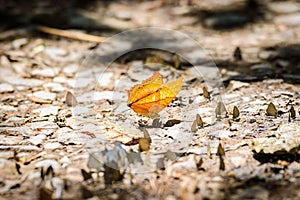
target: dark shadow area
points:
(275, 62)
(264, 189)
(73, 14)
(236, 15)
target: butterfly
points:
(152, 95)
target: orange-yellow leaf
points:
(152, 96)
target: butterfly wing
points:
(157, 98)
(147, 87)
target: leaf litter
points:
(173, 173)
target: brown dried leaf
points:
(146, 135)
(177, 62)
(221, 151)
(194, 126)
(206, 93)
(144, 144)
(236, 112)
(271, 110)
(199, 120)
(293, 112)
(221, 110)
(70, 99)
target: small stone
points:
(66, 135)
(4, 61)
(45, 125)
(20, 147)
(97, 96)
(4, 88)
(47, 111)
(19, 42)
(284, 7)
(123, 15)
(55, 87)
(55, 53)
(16, 120)
(44, 95)
(10, 140)
(5, 108)
(47, 72)
(70, 70)
(233, 85)
(290, 19)
(105, 79)
(23, 81)
(38, 139)
(52, 146)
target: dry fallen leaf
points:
(194, 126)
(271, 110)
(293, 112)
(199, 120)
(70, 99)
(152, 96)
(236, 112)
(177, 62)
(144, 144)
(237, 54)
(206, 93)
(220, 110)
(221, 154)
(146, 135)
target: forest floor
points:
(66, 131)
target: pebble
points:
(38, 139)
(66, 136)
(20, 147)
(233, 85)
(4, 61)
(221, 133)
(23, 81)
(105, 79)
(5, 108)
(5, 87)
(104, 95)
(17, 120)
(44, 95)
(123, 15)
(284, 7)
(43, 125)
(10, 140)
(175, 170)
(52, 146)
(55, 53)
(47, 72)
(46, 111)
(238, 161)
(290, 19)
(55, 87)
(80, 82)
(19, 42)
(70, 70)
(46, 132)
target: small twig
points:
(71, 34)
